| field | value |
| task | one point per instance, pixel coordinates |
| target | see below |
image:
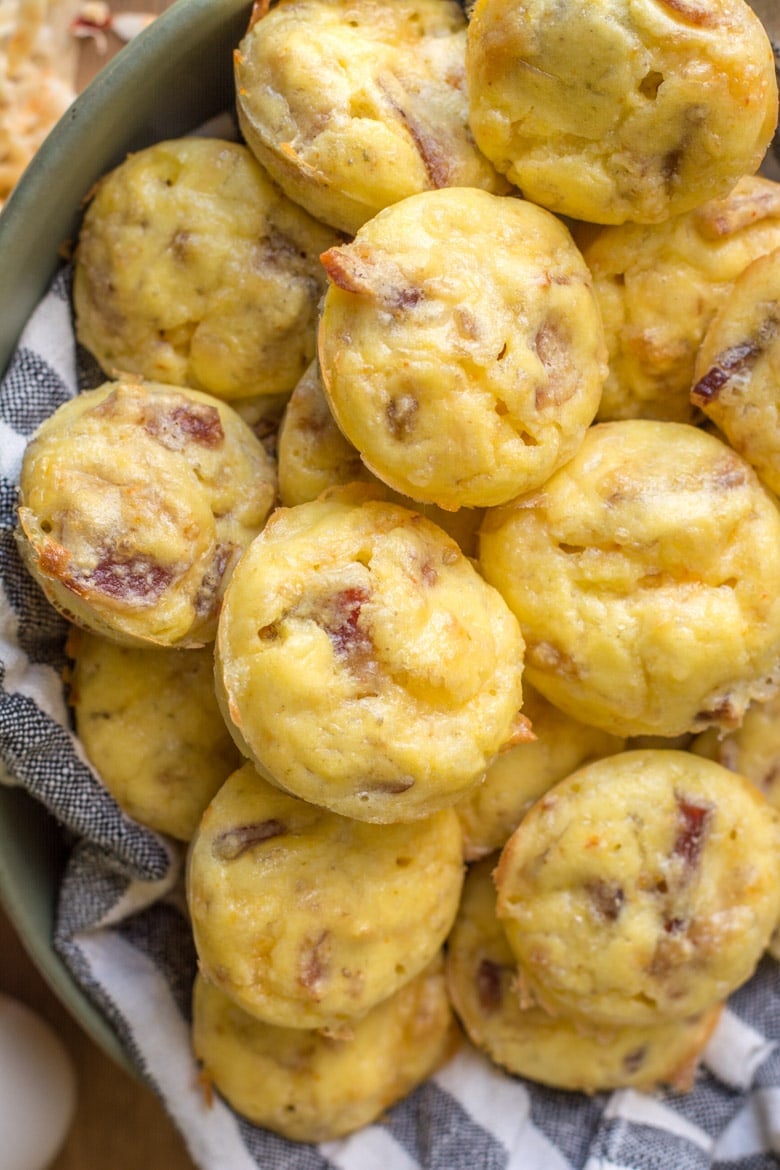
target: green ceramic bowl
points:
(172, 78)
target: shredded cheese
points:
(38, 59)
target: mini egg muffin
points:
(149, 722)
(554, 1050)
(738, 368)
(646, 579)
(616, 110)
(135, 502)
(659, 286)
(193, 268)
(354, 104)
(460, 346)
(644, 886)
(363, 663)
(310, 1087)
(491, 812)
(313, 455)
(307, 919)
(752, 749)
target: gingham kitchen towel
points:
(122, 929)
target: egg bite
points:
(363, 663)
(644, 886)
(659, 286)
(554, 1050)
(352, 105)
(460, 346)
(313, 455)
(309, 1087)
(192, 268)
(307, 919)
(491, 811)
(645, 575)
(752, 749)
(738, 368)
(616, 111)
(149, 722)
(135, 503)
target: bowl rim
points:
(189, 44)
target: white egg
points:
(37, 1089)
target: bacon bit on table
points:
(95, 19)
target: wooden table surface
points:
(119, 1124)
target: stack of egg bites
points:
(421, 547)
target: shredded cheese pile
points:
(38, 58)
